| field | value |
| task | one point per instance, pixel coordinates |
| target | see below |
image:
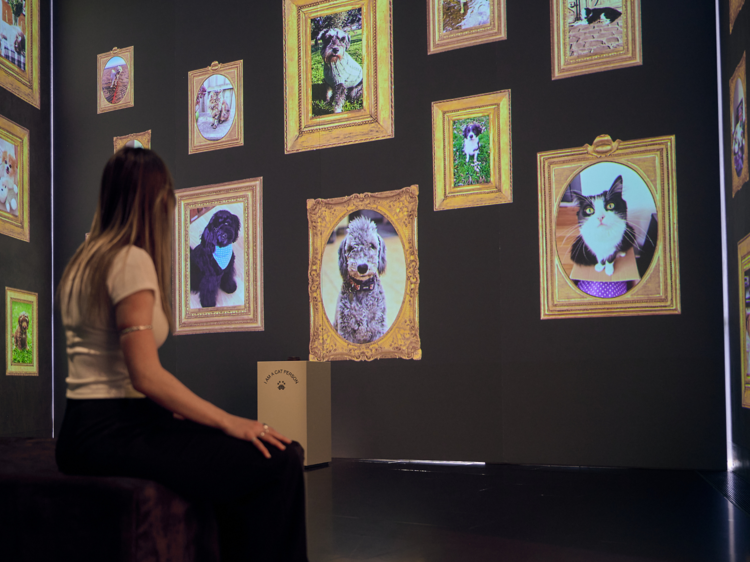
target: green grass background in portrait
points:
(320, 106)
(465, 173)
(25, 357)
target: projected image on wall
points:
(607, 230)
(746, 338)
(738, 127)
(465, 14)
(363, 277)
(336, 60)
(9, 195)
(215, 107)
(13, 33)
(115, 79)
(471, 151)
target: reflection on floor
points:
(408, 512)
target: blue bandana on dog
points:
(223, 255)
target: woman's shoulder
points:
(133, 256)
(132, 269)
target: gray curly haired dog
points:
(360, 310)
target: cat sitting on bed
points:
(604, 230)
(604, 15)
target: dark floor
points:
(399, 512)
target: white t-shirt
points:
(96, 364)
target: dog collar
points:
(223, 255)
(357, 285)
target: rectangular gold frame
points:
(19, 369)
(744, 177)
(659, 290)
(242, 318)
(25, 84)
(144, 138)
(10, 225)
(439, 40)
(563, 65)
(102, 105)
(496, 105)
(402, 338)
(302, 131)
(734, 10)
(236, 134)
(743, 261)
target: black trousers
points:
(260, 503)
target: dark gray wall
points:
(26, 402)
(496, 383)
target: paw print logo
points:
(281, 385)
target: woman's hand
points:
(255, 431)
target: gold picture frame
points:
(389, 222)
(743, 260)
(196, 225)
(651, 278)
(14, 185)
(19, 68)
(738, 160)
(374, 120)
(484, 21)
(115, 80)
(216, 116)
(734, 10)
(143, 139)
(21, 338)
(582, 48)
(488, 179)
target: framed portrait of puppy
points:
(218, 258)
(454, 24)
(589, 38)
(115, 80)
(136, 140)
(21, 342)
(19, 49)
(14, 180)
(738, 141)
(215, 107)
(608, 229)
(364, 276)
(338, 73)
(734, 10)
(743, 260)
(471, 151)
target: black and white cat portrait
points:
(604, 231)
(601, 15)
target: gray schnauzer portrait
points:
(360, 308)
(342, 74)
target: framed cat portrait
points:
(734, 10)
(22, 344)
(216, 117)
(743, 259)
(738, 142)
(364, 276)
(19, 49)
(135, 140)
(587, 38)
(115, 80)
(608, 229)
(453, 24)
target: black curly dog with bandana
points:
(212, 261)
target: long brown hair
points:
(136, 205)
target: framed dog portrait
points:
(338, 73)
(136, 140)
(115, 80)
(453, 24)
(14, 180)
(608, 229)
(364, 276)
(738, 144)
(21, 343)
(471, 151)
(743, 257)
(218, 264)
(19, 49)
(734, 10)
(215, 112)
(589, 37)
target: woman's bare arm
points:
(151, 379)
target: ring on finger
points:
(265, 427)
(262, 433)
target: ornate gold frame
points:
(242, 318)
(302, 131)
(10, 225)
(739, 74)
(25, 84)
(402, 338)
(496, 105)
(19, 369)
(144, 138)
(236, 134)
(734, 10)
(439, 41)
(102, 105)
(658, 292)
(743, 261)
(564, 65)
